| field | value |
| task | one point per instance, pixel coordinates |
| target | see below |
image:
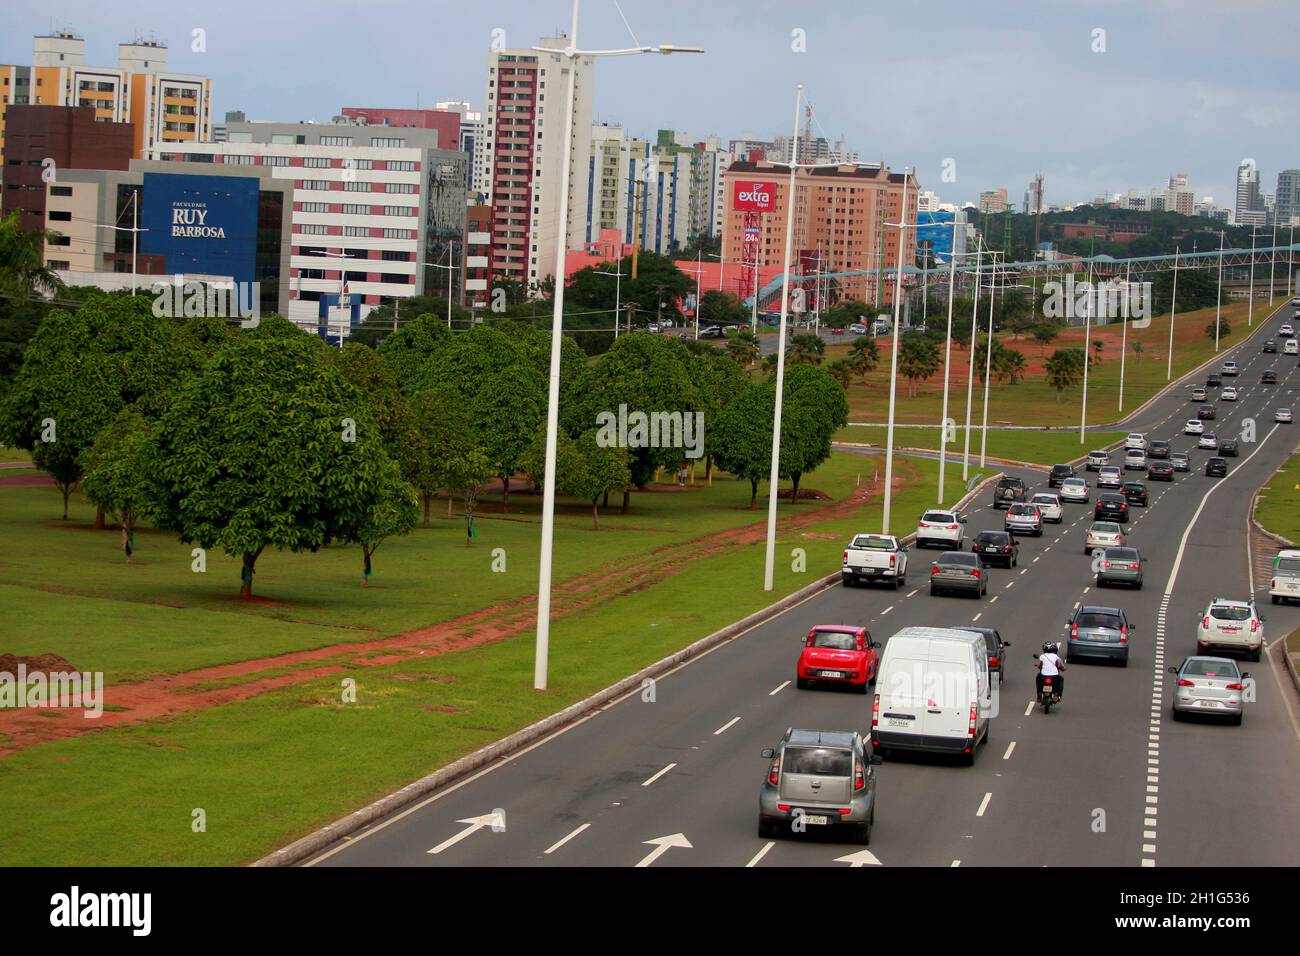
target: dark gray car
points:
(818, 779)
(1120, 566)
(958, 571)
(1098, 633)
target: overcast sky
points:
(1004, 88)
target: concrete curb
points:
(319, 840)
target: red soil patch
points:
(179, 693)
(42, 663)
(41, 480)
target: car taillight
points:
(875, 713)
(1123, 505)
(952, 527)
(973, 712)
(1205, 622)
(859, 780)
(935, 569)
(891, 560)
(1123, 635)
(1184, 682)
(1273, 583)
(993, 661)
(975, 573)
(774, 772)
(1105, 564)
(846, 557)
(1132, 567)
(1254, 625)
(1235, 687)
(1074, 630)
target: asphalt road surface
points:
(1108, 779)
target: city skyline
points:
(912, 123)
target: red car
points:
(838, 654)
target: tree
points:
(363, 368)
(806, 349)
(846, 313)
(743, 348)
(267, 446)
(1009, 364)
(466, 474)
(116, 468)
(1097, 346)
(390, 509)
(843, 371)
(863, 355)
(722, 308)
(506, 412)
(1138, 349)
(1215, 329)
(1064, 369)
(741, 438)
(918, 359)
(1045, 333)
(444, 434)
(23, 273)
(416, 344)
(813, 409)
(604, 469)
(717, 380)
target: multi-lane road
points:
(1106, 780)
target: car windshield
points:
(818, 761)
(1228, 612)
(1097, 619)
(959, 558)
(835, 640)
(939, 517)
(1133, 486)
(1225, 669)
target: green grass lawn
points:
(270, 769)
(1041, 447)
(1279, 501)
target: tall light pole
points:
(1218, 300)
(1272, 258)
(343, 281)
(988, 351)
(947, 362)
(618, 282)
(572, 54)
(451, 272)
(699, 270)
(769, 562)
(970, 372)
(135, 231)
(1123, 346)
(893, 358)
(1250, 303)
(1173, 311)
(1087, 340)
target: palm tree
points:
(806, 349)
(864, 356)
(1064, 369)
(743, 348)
(23, 272)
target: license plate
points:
(832, 673)
(893, 722)
(818, 820)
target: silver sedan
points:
(1209, 685)
(1102, 535)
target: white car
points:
(1229, 394)
(943, 527)
(1230, 368)
(1049, 505)
(1194, 426)
(1282, 416)
(1287, 329)
(1103, 534)
(1096, 459)
(1231, 625)
(1208, 440)
(1136, 440)
(1074, 489)
(1109, 477)
(857, 328)
(1291, 347)
(1024, 519)
(1135, 459)
(1284, 582)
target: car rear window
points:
(1044, 499)
(874, 543)
(960, 557)
(993, 537)
(939, 517)
(1097, 619)
(1288, 564)
(1105, 527)
(1228, 613)
(1060, 469)
(835, 640)
(818, 761)
(1121, 554)
(1226, 669)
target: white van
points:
(1284, 581)
(933, 692)
(1291, 347)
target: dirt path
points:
(212, 686)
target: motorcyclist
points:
(1049, 664)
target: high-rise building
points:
(473, 135)
(993, 201)
(1287, 204)
(374, 207)
(642, 189)
(1033, 196)
(526, 99)
(1249, 209)
(163, 106)
(841, 214)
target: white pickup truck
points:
(874, 557)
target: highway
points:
(1108, 779)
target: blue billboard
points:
(935, 228)
(201, 225)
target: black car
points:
(1160, 471)
(994, 646)
(1111, 507)
(1228, 448)
(1135, 493)
(1158, 449)
(1059, 474)
(1009, 491)
(1213, 380)
(1269, 377)
(1216, 468)
(1180, 460)
(1205, 412)
(997, 547)
(1270, 346)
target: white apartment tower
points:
(524, 125)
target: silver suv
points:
(818, 778)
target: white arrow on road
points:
(661, 845)
(861, 858)
(494, 820)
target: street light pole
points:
(618, 279)
(947, 361)
(572, 53)
(1250, 302)
(1123, 346)
(988, 352)
(1173, 312)
(893, 360)
(1087, 341)
(1218, 300)
(970, 372)
(1272, 259)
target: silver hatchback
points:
(818, 779)
(1209, 685)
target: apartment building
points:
(642, 189)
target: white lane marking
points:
(555, 846)
(659, 774)
(760, 854)
(723, 729)
(661, 846)
(493, 820)
(886, 610)
(993, 599)
(984, 804)
(1037, 559)
(1007, 585)
(1023, 570)
(1010, 747)
(1030, 709)
(913, 591)
(778, 689)
(977, 617)
(954, 863)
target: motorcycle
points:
(1049, 694)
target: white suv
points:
(939, 526)
(1230, 368)
(1230, 625)
(1135, 459)
(1229, 394)
(1136, 440)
